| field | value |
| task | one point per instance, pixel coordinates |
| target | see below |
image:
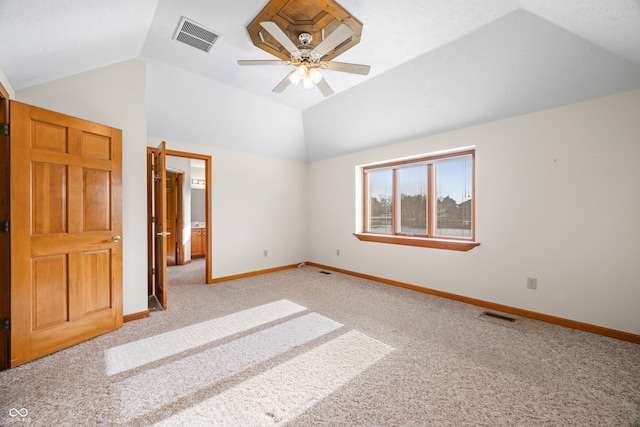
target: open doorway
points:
(185, 225)
(198, 212)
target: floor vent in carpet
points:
(498, 316)
(324, 272)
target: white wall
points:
(114, 96)
(201, 111)
(7, 85)
(257, 203)
(557, 199)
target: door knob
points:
(115, 239)
(164, 233)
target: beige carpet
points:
(301, 348)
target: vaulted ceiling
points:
(435, 64)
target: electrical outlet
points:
(266, 252)
(337, 252)
(532, 283)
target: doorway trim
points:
(207, 171)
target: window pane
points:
(453, 193)
(413, 199)
(380, 200)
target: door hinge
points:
(153, 271)
(4, 227)
(4, 129)
(5, 325)
(153, 220)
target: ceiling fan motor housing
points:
(305, 39)
(306, 56)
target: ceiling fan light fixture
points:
(307, 83)
(302, 71)
(315, 75)
(294, 78)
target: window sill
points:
(453, 245)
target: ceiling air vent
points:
(195, 35)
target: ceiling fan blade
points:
(324, 87)
(346, 67)
(261, 62)
(277, 33)
(283, 84)
(333, 40)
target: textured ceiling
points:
(435, 64)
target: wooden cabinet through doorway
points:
(198, 242)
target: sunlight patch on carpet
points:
(139, 395)
(139, 353)
(280, 394)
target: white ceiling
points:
(435, 64)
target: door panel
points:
(49, 282)
(160, 213)
(49, 205)
(97, 206)
(66, 282)
(96, 274)
(96, 146)
(49, 136)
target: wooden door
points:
(66, 223)
(5, 277)
(161, 233)
(172, 217)
(179, 218)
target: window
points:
(428, 201)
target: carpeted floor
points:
(300, 348)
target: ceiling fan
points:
(308, 59)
